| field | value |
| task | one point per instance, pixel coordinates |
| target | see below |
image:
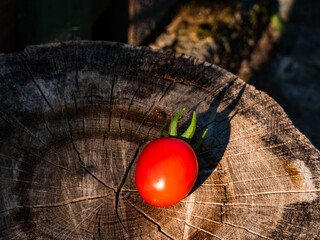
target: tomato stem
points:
(188, 134)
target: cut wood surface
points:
(75, 116)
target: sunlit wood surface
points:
(75, 116)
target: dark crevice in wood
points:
(72, 141)
(119, 124)
(128, 168)
(103, 143)
(133, 96)
(130, 104)
(95, 177)
(224, 200)
(149, 219)
(123, 182)
(75, 102)
(119, 188)
(99, 228)
(117, 212)
(98, 217)
(110, 162)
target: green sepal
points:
(174, 124)
(188, 134)
(197, 145)
(162, 129)
(204, 133)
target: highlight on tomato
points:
(167, 167)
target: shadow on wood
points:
(218, 136)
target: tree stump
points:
(75, 116)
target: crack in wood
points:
(77, 66)
(75, 102)
(136, 91)
(81, 162)
(113, 79)
(14, 169)
(99, 224)
(37, 85)
(247, 230)
(224, 201)
(72, 141)
(278, 192)
(28, 132)
(205, 203)
(84, 219)
(122, 183)
(17, 124)
(11, 225)
(43, 96)
(71, 201)
(131, 101)
(153, 106)
(47, 127)
(226, 223)
(119, 124)
(119, 188)
(198, 228)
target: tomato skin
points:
(166, 171)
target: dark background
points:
(273, 45)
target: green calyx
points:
(188, 134)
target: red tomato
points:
(166, 171)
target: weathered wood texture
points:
(75, 116)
